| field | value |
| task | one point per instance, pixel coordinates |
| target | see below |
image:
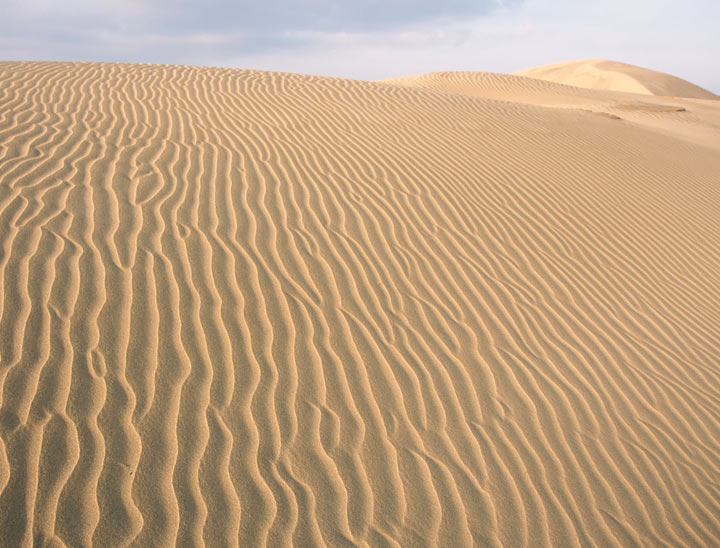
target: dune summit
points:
(614, 76)
(243, 308)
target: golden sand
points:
(242, 308)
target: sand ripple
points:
(244, 308)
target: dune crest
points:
(614, 76)
(243, 308)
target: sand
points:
(615, 76)
(243, 308)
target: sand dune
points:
(694, 120)
(242, 308)
(614, 76)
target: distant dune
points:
(614, 76)
(243, 308)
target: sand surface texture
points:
(248, 309)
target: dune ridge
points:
(242, 308)
(615, 76)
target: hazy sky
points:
(371, 38)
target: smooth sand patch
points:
(614, 76)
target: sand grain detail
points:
(241, 308)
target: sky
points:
(369, 39)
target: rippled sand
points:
(243, 308)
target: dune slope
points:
(615, 76)
(694, 120)
(243, 308)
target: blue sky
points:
(369, 39)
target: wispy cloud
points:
(188, 31)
